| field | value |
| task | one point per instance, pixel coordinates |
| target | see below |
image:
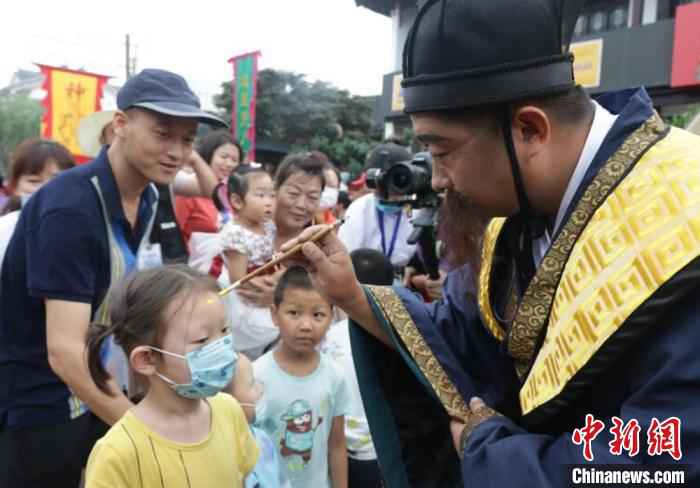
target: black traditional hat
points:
(468, 53)
(474, 53)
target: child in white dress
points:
(248, 242)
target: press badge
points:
(149, 256)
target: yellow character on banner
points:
(73, 97)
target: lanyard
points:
(380, 218)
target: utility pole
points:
(133, 59)
(128, 57)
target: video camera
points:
(408, 183)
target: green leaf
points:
(20, 118)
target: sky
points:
(330, 40)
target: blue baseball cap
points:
(166, 93)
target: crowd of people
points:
(561, 300)
(114, 340)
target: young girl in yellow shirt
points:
(184, 433)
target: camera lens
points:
(401, 180)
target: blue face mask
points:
(211, 369)
(387, 209)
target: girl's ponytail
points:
(96, 336)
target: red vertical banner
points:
(685, 64)
(244, 90)
(70, 96)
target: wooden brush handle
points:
(279, 259)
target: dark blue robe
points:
(659, 377)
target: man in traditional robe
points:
(581, 337)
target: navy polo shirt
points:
(59, 250)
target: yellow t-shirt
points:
(131, 455)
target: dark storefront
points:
(617, 44)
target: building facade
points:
(617, 44)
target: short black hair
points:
(239, 181)
(372, 267)
(310, 163)
(344, 199)
(296, 278)
(570, 107)
(213, 140)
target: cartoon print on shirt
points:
(298, 436)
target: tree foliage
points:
(684, 118)
(20, 118)
(349, 152)
(308, 115)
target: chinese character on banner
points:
(587, 434)
(70, 96)
(244, 92)
(665, 437)
(625, 437)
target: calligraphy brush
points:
(282, 257)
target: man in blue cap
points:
(76, 237)
(579, 343)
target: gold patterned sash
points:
(634, 228)
(488, 249)
(644, 233)
(535, 305)
(537, 300)
(394, 312)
